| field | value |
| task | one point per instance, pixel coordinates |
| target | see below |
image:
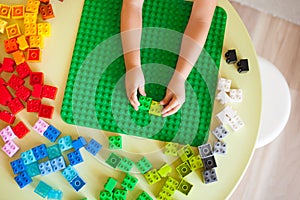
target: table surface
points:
(55, 64)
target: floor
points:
(273, 172)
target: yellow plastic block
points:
(5, 11)
(17, 11)
(165, 170)
(36, 41)
(44, 29)
(34, 55)
(33, 6)
(171, 149)
(30, 18)
(155, 108)
(30, 29)
(13, 31)
(23, 45)
(18, 57)
(195, 162)
(3, 24)
(185, 153)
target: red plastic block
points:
(44, 1)
(33, 55)
(1, 70)
(20, 130)
(47, 12)
(33, 105)
(8, 65)
(5, 96)
(23, 93)
(2, 82)
(37, 91)
(15, 106)
(49, 92)
(11, 45)
(36, 78)
(46, 111)
(7, 117)
(15, 82)
(23, 70)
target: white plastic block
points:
(220, 132)
(7, 134)
(223, 97)
(226, 114)
(224, 84)
(236, 123)
(40, 126)
(220, 148)
(10, 148)
(236, 95)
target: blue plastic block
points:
(55, 195)
(93, 147)
(23, 179)
(75, 157)
(45, 168)
(18, 166)
(65, 143)
(40, 152)
(53, 151)
(33, 169)
(77, 183)
(52, 133)
(28, 157)
(42, 189)
(58, 163)
(69, 173)
(79, 143)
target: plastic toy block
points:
(183, 169)
(243, 66)
(30, 18)
(36, 41)
(13, 31)
(75, 157)
(28, 157)
(152, 177)
(20, 130)
(230, 56)
(8, 65)
(168, 189)
(77, 183)
(143, 165)
(18, 57)
(23, 93)
(37, 91)
(42, 189)
(33, 55)
(23, 179)
(79, 143)
(44, 29)
(155, 108)
(226, 114)
(10, 148)
(220, 148)
(22, 42)
(51, 133)
(110, 184)
(236, 95)
(7, 134)
(33, 105)
(69, 173)
(17, 11)
(3, 25)
(65, 143)
(209, 162)
(223, 97)
(45, 168)
(113, 160)
(15, 82)
(145, 103)
(235, 123)
(47, 12)
(11, 45)
(115, 142)
(165, 170)
(119, 194)
(5, 11)
(40, 152)
(106, 195)
(5, 96)
(23, 70)
(184, 187)
(40, 126)
(33, 169)
(129, 182)
(30, 29)
(17, 166)
(33, 6)
(224, 84)
(58, 163)
(15, 106)
(55, 195)
(144, 196)
(205, 150)
(171, 149)
(53, 151)
(195, 162)
(220, 132)
(125, 165)
(2, 81)
(49, 92)
(93, 147)
(185, 153)
(46, 111)
(45, 1)
(209, 176)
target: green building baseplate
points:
(95, 95)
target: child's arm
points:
(192, 43)
(131, 31)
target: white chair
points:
(276, 103)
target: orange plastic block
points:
(5, 11)
(36, 41)
(19, 57)
(23, 45)
(44, 1)
(33, 6)
(44, 29)
(30, 29)
(13, 31)
(47, 12)
(11, 45)
(34, 55)
(30, 18)
(3, 24)
(17, 11)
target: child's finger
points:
(172, 111)
(166, 99)
(172, 104)
(134, 101)
(142, 90)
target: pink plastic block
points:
(10, 148)
(40, 126)
(7, 134)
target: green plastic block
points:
(115, 142)
(33, 169)
(143, 165)
(129, 182)
(144, 196)
(165, 170)
(195, 162)
(184, 187)
(113, 160)
(93, 96)
(183, 169)
(155, 108)
(125, 165)
(42, 189)
(152, 177)
(185, 153)
(171, 149)
(105, 195)
(110, 184)
(53, 151)
(145, 103)
(119, 194)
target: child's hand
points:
(135, 81)
(175, 95)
